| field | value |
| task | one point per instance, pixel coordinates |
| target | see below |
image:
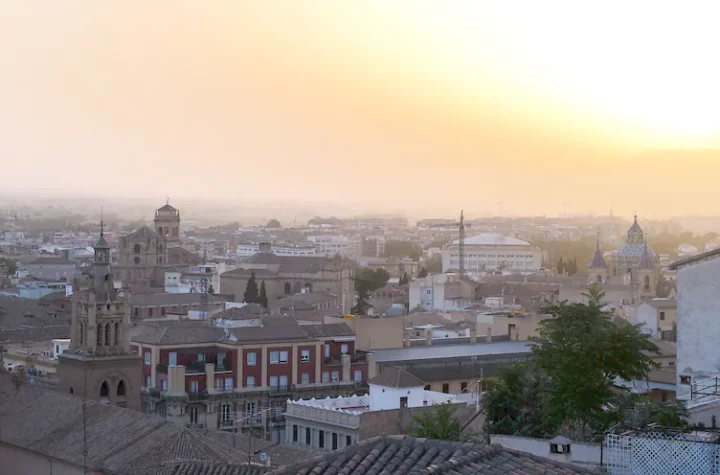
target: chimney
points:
(488, 335)
(473, 333)
(406, 340)
(428, 337)
(372, 365)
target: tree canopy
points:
(366, 281)
(9, 265)
(273, 223)
(251, 290)
(423, 272)
(262, 298)
(439, 423)
(433, 265)
(395, 248)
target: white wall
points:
(383, 398)
(698, 332)
(646, 315)
(580, 453)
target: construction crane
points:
(461, 241)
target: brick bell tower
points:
(99, 364)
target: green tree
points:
(210, 289)
(434, 265)
(262, 298)
(581, 351)
(561, 267)
(371, 279)
(251, 290)
(362, 294)
(273, 223)
(439, 423)
(396, 248)
(9, 265)
(512, 403)
(423, 272)
(595, 295)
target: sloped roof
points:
(396, 377)
(645, 261)
(404, 455)
(47, 261)
(598, 260)
(328, 330)
(662, 303)
(212, 468)
(251, 311)
(119, 440)
(167, 207)
(142, 233)
(262, 258)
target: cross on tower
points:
(102, 223)
(167, 200)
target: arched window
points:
(308, 286)
(72, 391)
(121, 389)
(100, 335)
(104, 391)
(160, 260)
(116, 333)
(288, 288)
(647, 282)
(136, 248)
(599, 279)
(107, 334)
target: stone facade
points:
(99, 364)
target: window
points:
(685, 380)
(321, 439)
(403, 402)
(305, 356)
(228, 383)
(172, 358)
(104, 390)
(463, 386)
(162, 311)
(335, 376)
(150, 312)
(136, 249)
(163, 384)
(305, 378)
(137, 311)
(148, 381)
(295, 433)
(72, 391)
(251, 359)
(147, 358)
(446, 388)
(357, 376)
(308, 436)
(288, 288)
(274, 357)
(136, 260)
(325, 377)
(662, 315)
(218, 383)
(334, 441)
(57, 349)
(193, 415)
(194, 386)
(226, 414)
(201, 357)
(251, 381)
(274, 382)
(672, 363)
(344, 348)
(283, 381)
(348, 440)
(283, 357)
(327, 350)
(428, 292)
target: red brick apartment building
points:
(202, 375)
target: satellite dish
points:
(263, 457)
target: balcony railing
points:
(359, 357)
(282, 389)
(197, 396)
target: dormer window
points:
(685, 379)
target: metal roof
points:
(452, 351)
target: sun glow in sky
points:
(452, 104)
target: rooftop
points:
(452, 351)
(410, 456)
(662, 303)
(394, 377)
(492, 239)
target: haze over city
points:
(547, 108)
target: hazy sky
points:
(428, 106)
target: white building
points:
(329, 245)
(190, 281)
(247, 250)
(698, 332)
(442, 292)
(334, 423)
(658, 318)
(491, 252)
(59, 345)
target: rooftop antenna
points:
(102, 223)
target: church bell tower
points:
(99, 364)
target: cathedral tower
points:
(646, 275)
(598, 268)
(167, 225)
(99, 364)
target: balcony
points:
(359, 357)
(275, 390)
(197, 396)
